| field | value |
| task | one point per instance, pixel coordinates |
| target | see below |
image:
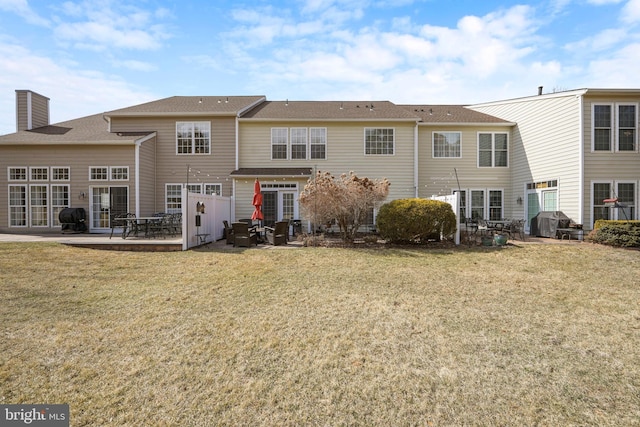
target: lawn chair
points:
(242, 235)
(228, 232)
(277, 235)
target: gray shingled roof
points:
(259, 172)
(329, 110)
(191, 105)
(451, 114)
(82, 131)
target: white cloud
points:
(603, 2)
(616, 70)
(22, 8)
(631, 12)
(73, 92)
(100, 26)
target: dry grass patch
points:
(526, 335)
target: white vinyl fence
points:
(454, 201)
(204, 225)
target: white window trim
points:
(364, 140)
(486, 204)
(110, 172)
(616, 130)
(433, 145)
(613, 185)
(286, 143)
(166, 188)
(325, 144)
(30, 177)
(212, 184)
(26, 173)
(615, 126)
(30, 206)
(488, 201)
(96, 179)
(193, 145)
(26, 204)
(493, 150)
(306, 143)
(593, 126)
(54, 179)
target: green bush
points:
(616, 233)
(415, 220)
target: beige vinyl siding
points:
(78, 159)
(39, 110)
(600, 166)
(545, 145)
(149, 202)
(244, 193)
(213, 168)
(345, 151)
(34, 105)
(437, 175)
(21, 111)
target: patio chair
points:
(516, 227)
(277, 235)
(242, 235)
(117, 221)
(228, 232)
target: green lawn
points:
(524, 335)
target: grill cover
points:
(546, 223)
(73, 220)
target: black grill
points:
(546, 223)
(73, 220)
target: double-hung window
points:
(447, 145)
(627, 127)
(318, 143)
(17, 205)
(193, 137)
(379, 141)
(482, 204)
(299, 143)
(493, 150)
(615, 127)
(279, 143)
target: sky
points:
(91, 56)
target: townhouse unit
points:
(572, 150)
(565, 151)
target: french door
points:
(541, 200)
(106, 202)
(279, 206)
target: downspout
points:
(581, 160)
(137, 183)
(415, 160)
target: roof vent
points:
(540, 90)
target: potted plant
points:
(500, 239)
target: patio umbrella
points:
(257, 201)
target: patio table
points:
(133, 225)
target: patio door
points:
(279, 206)
(541, 200)
(105, 203)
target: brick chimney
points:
(32, 110)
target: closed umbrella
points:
(257, 202)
